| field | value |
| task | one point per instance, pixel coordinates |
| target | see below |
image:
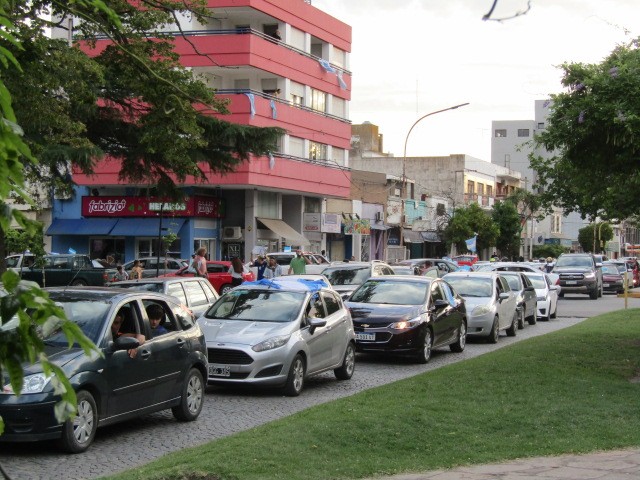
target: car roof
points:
(402, 278)
(103, 293)
(282, 284)
(459, 273)
(158, 280)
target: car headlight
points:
(31, 384)
(406, 324)
(590, 275)
(271, 343)
(481, 310)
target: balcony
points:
(485, 201)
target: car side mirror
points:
(316, 323)
(503, 296)
(125, 343)
(529, 289)
(440, 304)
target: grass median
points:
(572, 391)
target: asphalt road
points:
(227, 411)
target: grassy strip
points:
(568, 391)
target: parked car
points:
(491, 305)
(579, 273)
(167, 371)
(154, 267)
(612, 279)
(468, 260)
(527, 305)
(59, 270)
(345, 277)
(508, 267)
(402, 269)
(19, 261)
(305, 278)
(417, 263)
(625, 269)
(217, 273)
(316, 263)
(547, 293)
(409, 315)
(193, 292)
(278, 333)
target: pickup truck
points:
(63, 270)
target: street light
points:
(404, 162)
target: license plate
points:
(605, 284)
(571, 282)
(366, 336)
(219, 371)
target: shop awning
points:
(412, 237)
(146, 227)
(81, 226)
(282, 229)
(379, 226)
(431, 237)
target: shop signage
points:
(311, 222)
(116, 206)
(358, 227)
(331, 223)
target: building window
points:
(241, 84)
(318, 100)
(556, 223)
(471, 187)
(501, 132)
(317, 151)
(523, 132)
(489, 190)
(540, 125)
(480, 188)
(268, 205)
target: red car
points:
(218, 274)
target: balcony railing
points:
(482, 200)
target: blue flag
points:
(471, 244)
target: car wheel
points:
(79, 283)
(593, 295)
(521, 317)
(345, 371)
(225, 288)
(534, 318)
(561, 295)
(192, 397)
(295, 380)
(601, 291)
(555, 311)
(78, 434)
(424, 355)
(458, 345)
(494, 334)
(513, 328)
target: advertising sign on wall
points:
(331, 223)
(312, 222)
(118, 206)
(360, 226)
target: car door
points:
(506, 306)
(442, 320)
(339, 322)
(196, 296)
(319, 342)
(218, 275)
(530, 297)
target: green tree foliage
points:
(505, 215)
(18, 241)
(546, 251)
(595, 234)
(593, 133)
(467, 222)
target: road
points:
(227, 411)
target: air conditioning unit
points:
(379, 216)
(232, 233)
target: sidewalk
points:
(612, 465)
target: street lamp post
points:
(404, 163)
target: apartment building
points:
(279, 63)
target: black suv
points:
(579, 273)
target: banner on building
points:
(331, 223)
(121, 206)
(312, 222)
(360, 226)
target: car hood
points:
(382, 314)
(241, 332)
(60, 356)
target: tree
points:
(545, 251)
(594, 237)
(466, 223)
(505, 215)
(592, 135)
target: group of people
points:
(268, 267)
(155, 313)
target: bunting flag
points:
(471, 244)
(274, 112)
(326, 65)
(272, 161)
(252, 103)
(343, 85)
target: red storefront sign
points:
(117, 206)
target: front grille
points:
(227, 356)
(571, 276)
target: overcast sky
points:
(413, 57)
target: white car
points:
(278, 333)
(490, 302)
(547, 293)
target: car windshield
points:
(621, 267)
(585, 262)
(146, 287)
(258, 306)
(610, 269)
(89, 315)
(538, 281)
(487, 267)
(347, 276)
(391, 292)
(514, 282)
(471, 286)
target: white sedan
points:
(547, 292)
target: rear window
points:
(347, 276)
(471, 286)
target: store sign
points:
(359, 227)
(197, 206)
(311, 222)
(331, 223)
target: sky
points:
(413, 57)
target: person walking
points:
(236, 270)
(261, 266)
(199, 263)
(272, 270)
(298, 264)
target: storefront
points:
(122, 228)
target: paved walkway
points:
(613, 465)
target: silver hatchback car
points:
(277, 333)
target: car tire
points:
(521, 317)
(225, 288)
(295, 379)
(593, 295)
(345, 371)
(460, 343)
(192, 397)
(513, 328)
(494, 334)
(555, 312)
(424, 354)
(79, 283)
(78, 434)
(534, 318)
